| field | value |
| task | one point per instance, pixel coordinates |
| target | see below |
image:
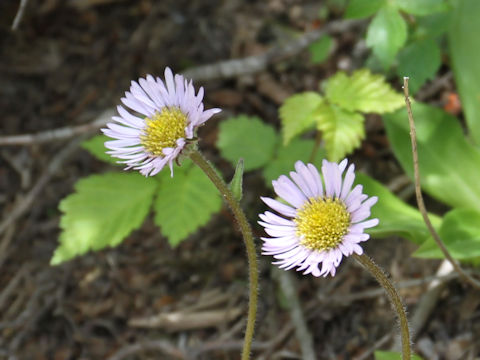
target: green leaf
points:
(432, 26)
(449, 164)
(396, 217)
(236, 185)
(363, 8)
(390, 355)
(298, 113)
(465, 54)
(320, 49)
(419, 61)
(421, 7)
(96, 147)
(103, 211)
(248, 138)
(459, 232)
(363, 91)
(185, 202)
(286, 156)
(342, 130)
(386, 35)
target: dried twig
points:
(158, 345)
(19, 16)
(421, 205)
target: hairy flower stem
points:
(394, 298)
(246, 230)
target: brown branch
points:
(421, 204)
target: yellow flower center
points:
(163, 129)
(322, 223)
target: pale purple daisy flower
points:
(170, 112)
(323, 221)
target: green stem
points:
(242, 221)
(394, 298)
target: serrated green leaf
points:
(185, 202)
(96, 147)
(386, 35)
(342, 130)
(459, 232)
(419, 61)
(363, 91)
(449, 164)
(286, 156)
(390, 355)
(320, 49)
(465, 55)
(396, 217)
(103, 210)
(358, 9)
(297, 114)
(248, 138)
(421, 7)
(236, 185)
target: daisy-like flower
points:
(324, 221)
(169, 110)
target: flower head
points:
(324, 221)
(170, 112)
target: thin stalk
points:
(246, 231)
(394, 298)
(418, 192)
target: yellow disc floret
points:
(163, 129)
(322, 223)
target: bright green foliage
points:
(286, 156)
(320, 49)
(96, 147)
(387, 34)
(449, 164)
(421, 7)
(363, 91)
(236, 185)
(396, 217)
(103, 210)
(248, 138)
(342, 130)
(363, 8)
(184, 202)
(390, 355)
(460, 232)
(419, 61)
(298, 114)
(465, 54)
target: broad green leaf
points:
(363, 91)
(386, 35)
(419, 61)
(185, 202)
(432, 26)
(236, 185)
(298, 113)
(320, 49)
(465, 54)
(342, 130)
(96, 147)
(460, 233)
(103, 211)
(390, 355)
(286, 156)
(449, 164)
(248, 138)
(363, 8)
(396, 217)
(421, 7)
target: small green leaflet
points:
(248, 138)
(298, 114)
(390, 355)
(236, 185)
(102, 211)
(421, 7)
(363, 91)
(358, 9)
(96, 147)
(320, 49)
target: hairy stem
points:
(394, 298)
(239, 215)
